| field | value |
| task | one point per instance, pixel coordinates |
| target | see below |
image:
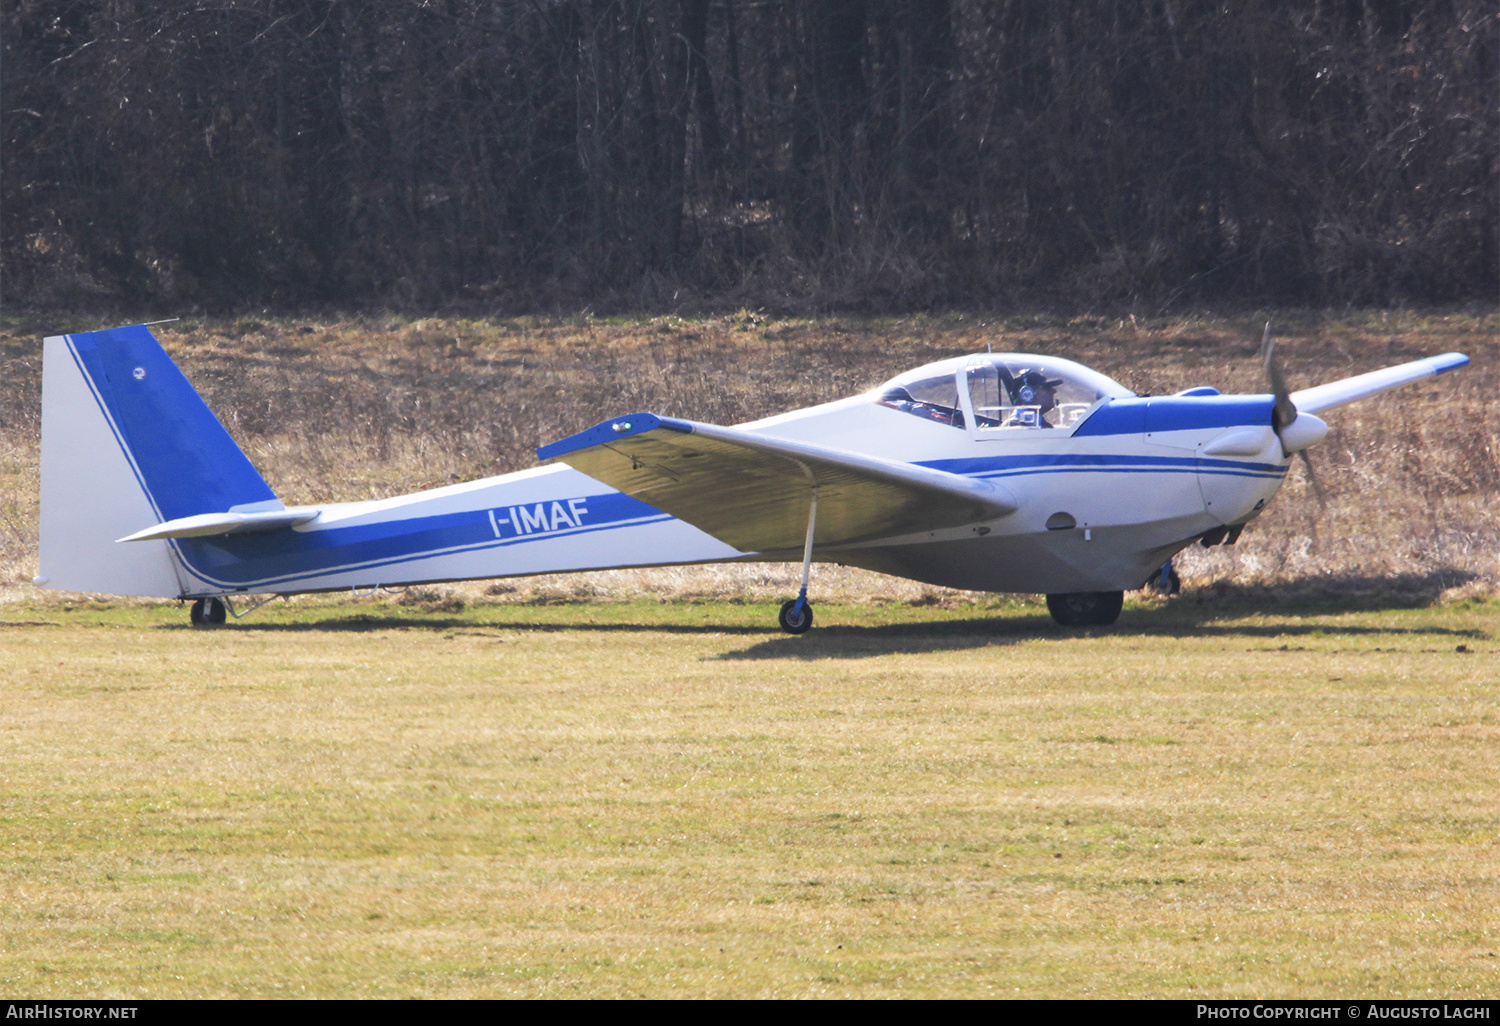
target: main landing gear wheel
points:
(795, 621)
(207, 612)
(1086, 608)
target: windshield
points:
(925, 392)
(1004, 391)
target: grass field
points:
(607, 798)
(1282, 784)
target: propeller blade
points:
(1285, 411)
(1312, 479)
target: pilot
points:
(1035, 389)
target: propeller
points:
(1284, 414)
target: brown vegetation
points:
(369, 407)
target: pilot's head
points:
(1036, 389)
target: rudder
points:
(128, 443)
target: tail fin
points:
(127, 443)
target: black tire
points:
(207, 612)
(801, 624)
(1173, 585)
(1086, 608)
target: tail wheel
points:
(1086, 608)
(207, 612)
(794, 620)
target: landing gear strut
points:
(207, 612)
(796, 615)
(1086, 608)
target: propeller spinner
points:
(1297, 431)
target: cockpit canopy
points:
(1000, 391)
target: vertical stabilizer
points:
(127, 443)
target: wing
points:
(752, 491)
(1337, 393)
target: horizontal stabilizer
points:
(752, 491)
(1362, 386)
(206, 524)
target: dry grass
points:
(365, 407)
(1280, 785)
(626, 799)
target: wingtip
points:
(611, 430)
(1449, 361)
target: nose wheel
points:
(207, 612)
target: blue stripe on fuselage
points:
(1176, 413)
(271, 558)
(1036, 463)
(1139, 416)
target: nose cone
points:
(1302, 433)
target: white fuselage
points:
(1131, 500)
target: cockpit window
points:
(1003, 391)
(932, 397)
(1014, 391)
